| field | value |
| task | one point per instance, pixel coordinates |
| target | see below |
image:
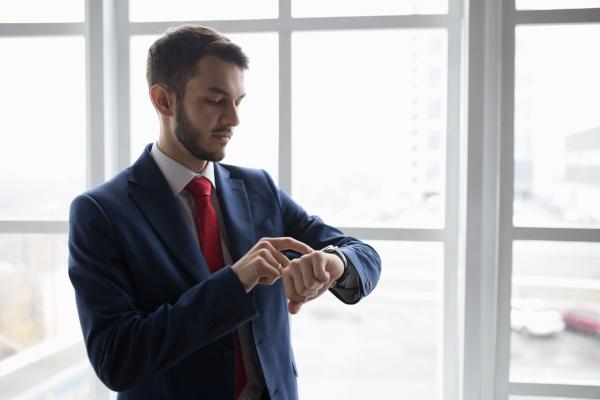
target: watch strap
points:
(336, 250)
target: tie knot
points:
(199, 187)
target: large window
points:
(44, 164)
(460, 138)
(363, 100)
(552, 148)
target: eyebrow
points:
(222, 91)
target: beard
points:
(190, 137)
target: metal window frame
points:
(508, 233)
(107, 30)
(284, 25)
(486, 232)
(32, 366)
(475, 338)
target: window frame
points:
(283, 26)
(508, 232)
(478, 232)
(21, 372)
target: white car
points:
(534, 318)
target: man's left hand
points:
(309, 276)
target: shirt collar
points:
(177, 175)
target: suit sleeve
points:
(126, 345)
(310, 229)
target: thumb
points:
(294, 307)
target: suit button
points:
(368, 285)
(228, 353)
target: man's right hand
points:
(263, 263)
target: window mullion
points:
(506, 187)
(285, 111)
(589, 15)
(42, 29)
(449, 338)
(27, 227)
(554, 390)
(556, 234)
(94, 94)
(116, 70)
(483, 322)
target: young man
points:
(182, 286)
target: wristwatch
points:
(331, 249)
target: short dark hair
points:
(173, 57)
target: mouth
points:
(222, 137)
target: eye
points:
(219, 101)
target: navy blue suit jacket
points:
(156, 323)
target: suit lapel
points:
(152, 194)
(237, 214)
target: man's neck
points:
(180, 154)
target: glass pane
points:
(255, 141)
(342, 8)
(557, 126)
(555, 313)
(369, 126)
(555, 4)
(74, 383)
(185, 10)
(37, 301)
(42, 11)
(43, 137)
(386, 346)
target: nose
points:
(230, 116)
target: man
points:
(182, 285)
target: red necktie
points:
(207, 227)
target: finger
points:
(296, 275)
(288, 284)
(288, 243)
(267, 274)
(307, 270)
(277, 256)
(294, 307)
(272, 256)
(319, 270)
(268, 281)
(265, 271)
(289, 287)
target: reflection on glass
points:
(185, 10)
(369, 126)
(341, 8)
(555, 4)
(43, 131)
(41, 11)
(384, 347)
(37, 301)
(557, 126)
(555, 311)
(255, 141)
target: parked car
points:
(585, 319)
(533, 317)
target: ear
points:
(163, 100)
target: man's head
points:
(195, 76)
